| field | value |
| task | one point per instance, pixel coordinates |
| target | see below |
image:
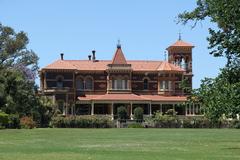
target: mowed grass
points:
(120, 144)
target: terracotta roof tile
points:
(101, 65)
(181, 43)
(166, 98)
(165, 66)
(61, 64)
(119, 57)
(132, 97)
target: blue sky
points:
(75, 27)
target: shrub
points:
(138, 114)
(27, 123)
(135, 125)
(149, 121)
(84, 121)
(166, 121)
(188, 122)
(171, 112)
(197, 122)
(201, 122)
(3, 119)
(14, 121)
(235, 124)
(122, 113)
(222, 123)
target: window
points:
(162, 85)
(59, 83)
(119, 84)
(79, 84)
(126, 84)
(88, 83)
(165, 85)
(113, 83)
(145, 84)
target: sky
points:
(76, 27)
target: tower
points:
(180, 54)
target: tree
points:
(122, 113)
(138, 114)
(18, 69)
(224, 41)
(219, 96)
(14, 52)
(45, 111)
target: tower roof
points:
(180, 43)
(119, 57)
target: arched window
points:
(59, 81)
(88, 83)
(145, 84)
(79, 84)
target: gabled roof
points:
(165, 66)
(119, 57)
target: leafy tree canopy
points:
(224, 41)
(18, 68)
(13, 50)
(220, 96)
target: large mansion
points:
(94, 86)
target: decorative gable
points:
(119, 57)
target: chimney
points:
(93, 55)
(89, 57)
(61, 56)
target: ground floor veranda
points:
(107, 104)
(149, 108)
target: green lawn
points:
(121, 144)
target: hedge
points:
(84, 121)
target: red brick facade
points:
(89, 86)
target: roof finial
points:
(165, 56)
(119, 44)
(179, 35)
